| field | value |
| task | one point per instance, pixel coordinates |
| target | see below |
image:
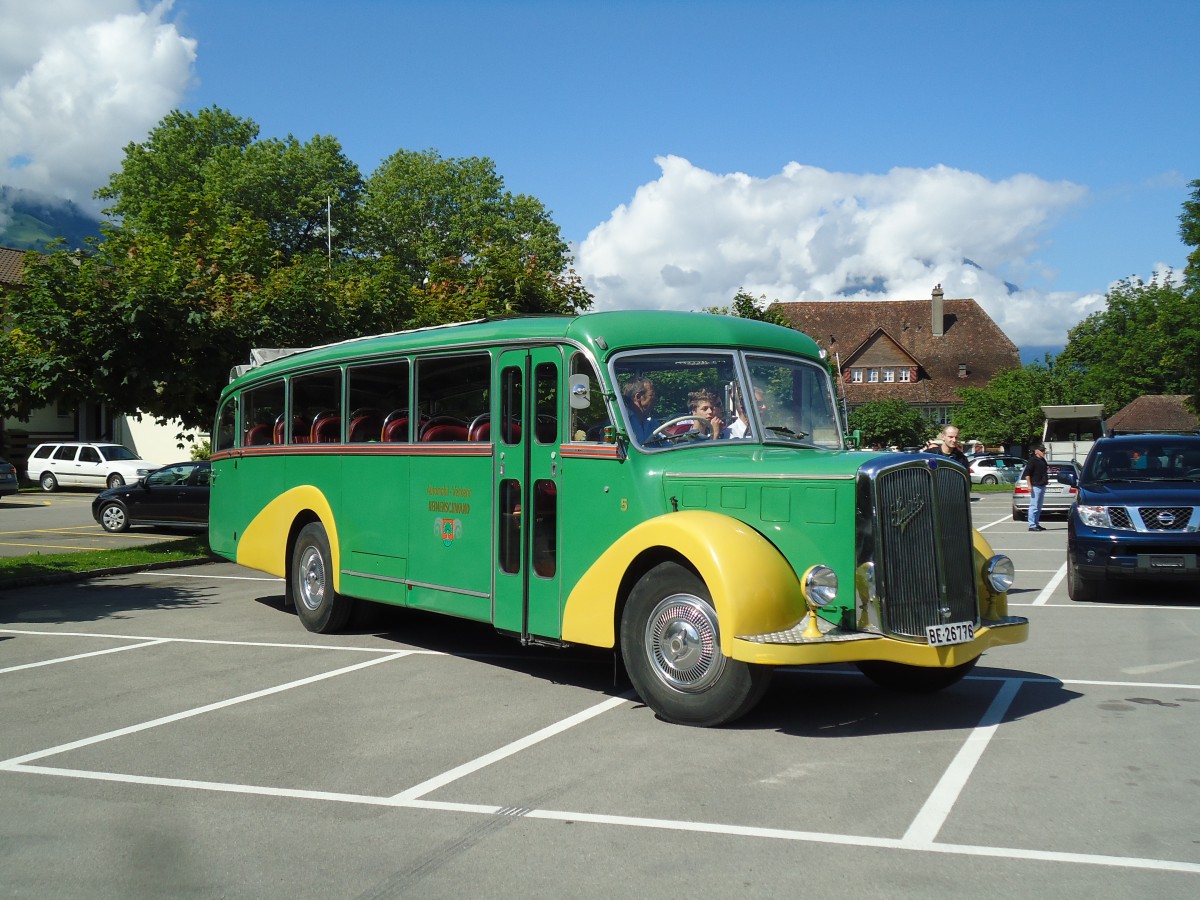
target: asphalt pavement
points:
(179, 734)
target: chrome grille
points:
(1119, 516)
(921, 546)
(1165, 518)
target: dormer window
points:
(962, 370)
(889, 376)
(873, 376)
(856, 376)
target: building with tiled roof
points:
(1163, 413)
(12, 266)
(921, 351)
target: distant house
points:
(90, 421)
(920, 351)
(1162, 413)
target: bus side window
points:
(226, 425)
(545, 386)
(589, 415)
(377, 397)
(317, 408)
(261, 408)
(452, 396)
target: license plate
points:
(952, 633)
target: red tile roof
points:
(1154, 412)
(896, 333)
(12, 264)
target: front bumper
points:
(794, 648)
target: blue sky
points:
(1027, 154)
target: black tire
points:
(114, 518)
(913, 679)
(319, 608)
(1080, 589)
(670, 642)
(988, 479)
(49, 482)
(1020, 515)
(115, 480)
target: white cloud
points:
(80, 79)
(692, 238)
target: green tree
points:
(746, 306)
(1189, 233)
(220, 243)
(890, 423)
(1145, 341)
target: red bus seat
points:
(258, 436)
(444, 431)
(325, 430)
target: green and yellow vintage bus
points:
(674, 486)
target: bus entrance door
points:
(525, 431)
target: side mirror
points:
(579, 390)
(1067, 478)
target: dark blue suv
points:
(1137, 514)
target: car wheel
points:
(671, 645)
(49, 482)
(1080, 589)
(988, 479)
(1020, 515)
(318, 606)
(113, 518)
(115, 480)
(913, 679)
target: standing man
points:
(947, 444)
(1038, 474)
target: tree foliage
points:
(890, 423)
(1145, 341)
(221, 242)
(1189, 233)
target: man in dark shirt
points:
(1038, 474)
(947, 444)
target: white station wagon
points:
(85, 464)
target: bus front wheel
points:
(319, 607)
(671, 645)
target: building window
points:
(889, 376)
(905, 376)
(962, 370)
(856, 376)
(873, 376)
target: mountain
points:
(30, 221)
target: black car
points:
(175, 495)
(1137, 515)
(8, 478)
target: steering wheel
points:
(659, 433)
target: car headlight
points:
(820, 584)
(999, 573)
(1094, 516)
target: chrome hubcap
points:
(683, 644)
(113, 517)
(312, 578)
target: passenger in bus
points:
(740, 427)
(639, 400)
(709, 423)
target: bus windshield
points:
(687, 397)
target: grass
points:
(17, 569)
(991, 488)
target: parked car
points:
(1060, 492)
(995, 469)
(175, 495)
(1138, 513)
(85, 464)
(8, 478)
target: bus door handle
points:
(502, 464)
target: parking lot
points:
(62, 523)
(179, 734)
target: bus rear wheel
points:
(671, 645)
(319, 607)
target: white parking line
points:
(63, 659)
(1051, 585)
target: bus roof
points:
(605, 333)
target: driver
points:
(639, 400)
(705, 406)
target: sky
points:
(1025, 154)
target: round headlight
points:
(820, 585)
(1000, 573)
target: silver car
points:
(1060, 495)
(996, 469)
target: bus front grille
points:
(917, 535)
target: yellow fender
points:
(992, 605)
(733, 559)
(264, 542)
